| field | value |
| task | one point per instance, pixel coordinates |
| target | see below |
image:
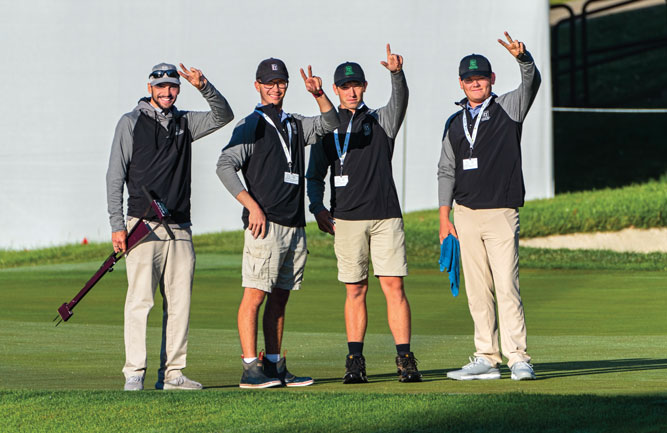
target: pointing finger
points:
(503, 43)
(183, 67)
(303, 74)
(388, 51)
(509, 38)
(310, 71)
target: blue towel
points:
(450, 252)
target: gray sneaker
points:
(181, 382)
(478, 368)
(134, 383)
(522, 371)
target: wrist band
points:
(319, 93)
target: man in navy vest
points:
(365, 214)
(152, 148)
(480, 168)
(268, 147)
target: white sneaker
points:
(522, 371)
(181, 382)
(478, 368)
(134, 383)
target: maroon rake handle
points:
(137, 234)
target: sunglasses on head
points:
(171, 73)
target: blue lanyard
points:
(343, 153)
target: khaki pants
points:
(169, 263)
(490, 254)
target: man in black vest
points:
(364, 203)
(152, 148)
(268, 147)
(480, 168)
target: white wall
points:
(71, 68)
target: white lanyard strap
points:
(472, 139)
(286, 148)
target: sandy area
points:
(630, 239)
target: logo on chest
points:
(485, 116)
(367, 129)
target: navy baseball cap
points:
(348, 71)
(164, 73)
(474, 64)
(271, 69)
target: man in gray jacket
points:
(268, 147)
(152, 148)
(365, 216)
(480, 168)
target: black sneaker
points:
(254, 377)
(355, 369)
(407, 368)
(279, 370)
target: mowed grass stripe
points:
(89, 357)
(252, 411)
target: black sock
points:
(402, 349)
(355, 347)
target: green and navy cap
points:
(474, 64)
(348, 71)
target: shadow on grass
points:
(551, 370)
(544, 371)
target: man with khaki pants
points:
(368, 219)
(152, 149)
(480, 168)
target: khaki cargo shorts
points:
(383, 239)
(278, 260)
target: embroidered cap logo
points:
(473, 64)
(274, 67)
(349, 70)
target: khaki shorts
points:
(383, 239)
(277, 260)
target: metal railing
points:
(616, 51)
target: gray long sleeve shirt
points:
(133, 135)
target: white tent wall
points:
(71, 68)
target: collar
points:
(282, 113)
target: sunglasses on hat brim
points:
(171, 73)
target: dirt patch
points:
(630, 239)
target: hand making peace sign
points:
(515, 48)
(394, 61)
(194, 76)
(313, 83)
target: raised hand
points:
(194, 76)
(515, 48)
(394, 61)
(313, 83)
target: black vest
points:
(161, 160)
(370, 192)
(264, 172)
(498, 180)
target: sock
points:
(249, 360)
(355, 347)
(273, 357)
(402, 349)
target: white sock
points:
(249, 360)
(273, 357)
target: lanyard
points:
(286, 149)
(472, 139)
(343, 153)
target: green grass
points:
(597, 339)
(641, 206)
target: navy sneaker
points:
(355, 369)
(407, 368)
(254, 377)
(279, 370)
